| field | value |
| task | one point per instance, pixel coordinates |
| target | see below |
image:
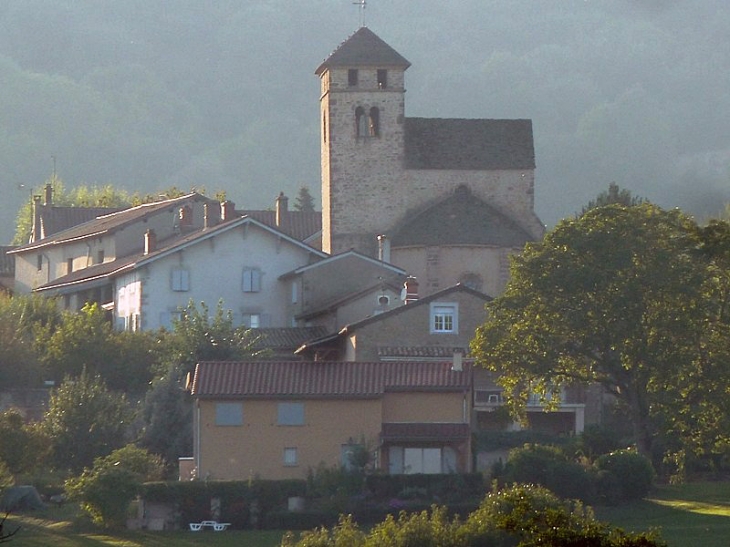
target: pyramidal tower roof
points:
(364, 48)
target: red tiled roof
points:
(261, 379)
(424, 431)
(300, 225)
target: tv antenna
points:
(363, 5)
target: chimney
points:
(282, 207)
(150, 241)
(383, 248)
(228, 210)
(458, 362)
(35, 234)
(209, 217)
(48, 195)
(411, 289)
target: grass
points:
(686, 515)
(60, 527)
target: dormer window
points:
(352, 77)
(382, 78)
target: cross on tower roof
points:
(362, 4)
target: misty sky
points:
(149, 94)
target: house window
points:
(228, 414)
(444, 317)
(294, 292)
(421, 460)
(252, 320)
(291, 457)
(39, 262)
(382, 78)
(324, 127)
(251, 280)
(352, 77)
(100, 256)
(290, 414)
(69, 265)
(180, 280)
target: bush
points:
(548, 466)
(105, 494)
(624, 475)
(106, 490)
(530, 515)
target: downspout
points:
(197, 439)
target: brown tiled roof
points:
(300, 225)
(432, 143)
(108, 223)
(420, 352)
(286, 337)
(424, 431)
(460, 219)
(55, 219)
(364, 48)
(261, 379)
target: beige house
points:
(276, 420)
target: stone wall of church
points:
(359, 171)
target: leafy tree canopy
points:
(84, 421)
(624, 297)
(613, 196)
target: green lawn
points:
(687, 516)
(53, 527)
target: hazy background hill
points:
(146, 94)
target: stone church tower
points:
(449, 199)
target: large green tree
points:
(85, 340)
(625, 297)
(24, 321)
(85, 421)
(198, 335)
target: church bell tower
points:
(362, 111)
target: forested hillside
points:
(146, 94)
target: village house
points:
(277, 420)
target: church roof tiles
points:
(466, 144)
(364, 48)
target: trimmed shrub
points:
(548, 466)
(192, 498)
(624, 475)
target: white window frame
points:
(180, 280)
(251, 280)
(444, 318)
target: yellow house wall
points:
(256, 448)
(416, 407)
